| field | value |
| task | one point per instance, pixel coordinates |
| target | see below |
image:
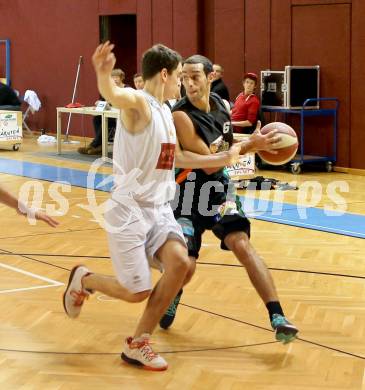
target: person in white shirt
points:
(141, 228)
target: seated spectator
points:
(218, 85)
(118, 76)
(245, 112)
(8, 98)
(96, 145)
(138, 81)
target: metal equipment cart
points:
(304, 112)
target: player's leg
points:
(239, 244)
(260, 276)
(132, 281)
(176, 264)
(233, 229)
(96, 142)
(95, 145)
(137, 349)
(192, 235)
(166, 249)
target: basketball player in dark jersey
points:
(207, 200)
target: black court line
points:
(270, 330)
(286, 270)
(30, 258)
(118, 353)
(198, 262)
(217, 314)
(50, 233)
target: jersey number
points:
(226, 127)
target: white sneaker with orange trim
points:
(75, 294)
(138, 351)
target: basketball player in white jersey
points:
(141, 227)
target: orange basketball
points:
(287, 147)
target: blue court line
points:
(314, 218)
(348, 224)
(75, 177)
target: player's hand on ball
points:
(265, 142)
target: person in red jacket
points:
(245, 111)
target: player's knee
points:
(237, 242)
(190, 272)
(181, 264)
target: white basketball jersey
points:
(143, 163)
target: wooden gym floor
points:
(221, 338)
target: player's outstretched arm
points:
(186, 159)
(10, 200)
(103, 61)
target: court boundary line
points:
(118, 353)
(270, 330)
(303, 225)
(222, 316)
(283, 269)
(4, 252)
(52, 283)
(30, 258)
(49, 233)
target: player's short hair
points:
(199, 59)
(159, 57)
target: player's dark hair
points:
(199, 59)
(157, 58)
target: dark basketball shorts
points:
(229, 219)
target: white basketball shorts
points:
(136, 235)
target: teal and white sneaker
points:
(168, 318)
(285, 332)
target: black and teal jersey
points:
(215, 129)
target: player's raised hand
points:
(103, 59)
